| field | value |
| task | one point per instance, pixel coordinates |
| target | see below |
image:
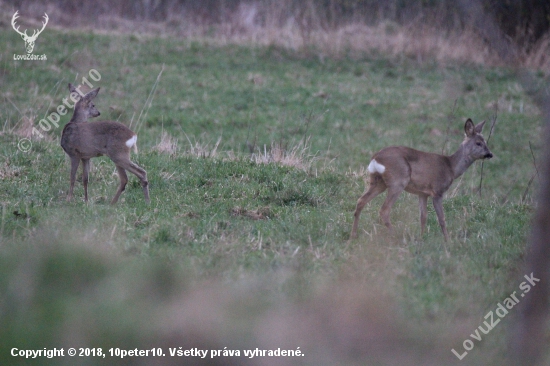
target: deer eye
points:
(479, 143)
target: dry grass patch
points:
(259, 214)
(203, 150)
(23, 128)
(167, 145)
(297, 156)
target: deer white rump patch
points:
(132, 141)
(375, 166)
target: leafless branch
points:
(488, 138)
(536, 174)
(534, 160)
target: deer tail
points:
(132, 142)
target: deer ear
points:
(469, 128)
(479, 127)
(91, 95)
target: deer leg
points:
(422, 204)
(391, 197)
(75, 161)
(438, 205)
(376, 187)
(142, 175)
(123, 181)
(138, 172)
(85, 171)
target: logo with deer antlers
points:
(29, 40)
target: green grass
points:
(59, 260)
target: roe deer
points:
(399, 168)
(83, 140)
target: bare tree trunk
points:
(529, 337)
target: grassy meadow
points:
(255, 157)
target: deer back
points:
(418, 171)
(88, 140)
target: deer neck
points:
(79, 117)
(460, 162)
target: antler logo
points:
(29, 40)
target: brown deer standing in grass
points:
(399, 168)
(83, 140)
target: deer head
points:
(29, 41)
(84, 107)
